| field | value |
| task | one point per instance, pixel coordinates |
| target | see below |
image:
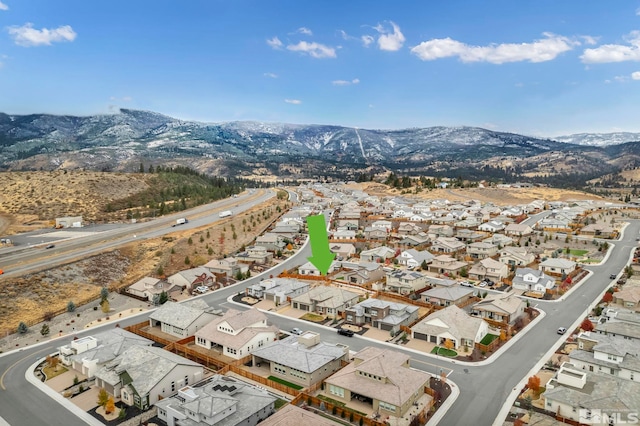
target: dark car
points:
(613, 276)
(50, 246)
(345, 332)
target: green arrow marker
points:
(321, 256)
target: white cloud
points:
(541, 50)
(638, 11)
(620, 78)
(589, 39)
(293, 101)
(614, 52)
(367, 40)
(345, 82)
(27, 36)
(3, 6)
(315, 50)
(635, 75)
(270, 75)
(390, 41)
(305, 31)
(275, 43)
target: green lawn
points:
(439, 350)
(284, 382)
(313, 317)
(578, 253)
(280, 403)
(488, 339)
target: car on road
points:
(345, 332)
(296, 330)
(562, 330)
(613, 276)
(202, 289)
(466, 284)
(483, 284)
(50, 246)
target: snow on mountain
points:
(599, 139)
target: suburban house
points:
(407, 228)
(413, 258)
(489, 268)
(311, 269)
(518, 230)
(292, 415)
(415, 240)
(221, 401)
(270, 241)
(598, 230)
(360, 273)
(441, 282)
(351, 217)
(382, 314)
(189, 279)
(142, 375)
(182, 319)
(343, 234)
(492, 226)
(532, 280)
(453, 324)
(608, 354)
(228, 266)
(405, 282)
(482, 250)
(555, 221)
(557, 266)
(278, 290)
(255, 254)
(582, 397)
(500, 240)
(149, 288)
(447, 245)
(237, 333)
(440, 231)
(447, 265)
(343, 250)
(377, 254)
(375, 234)
(501, 308)
(90, 353)
(447, 296)
(469, 235)
(383, 377)
(325, 300)
(628, 330)
(629, 296)
(303, 360)
(516, 256)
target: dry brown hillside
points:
(33, 199)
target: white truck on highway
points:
(181, 221)
(225, 213)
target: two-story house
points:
(489, 268)
(532, 280)
(447, 265)
(482, 250)
(413, 258)
(325, 300)
(382, 314)
(501, 308)
(405, 282)
(447, 245)
(516, 256)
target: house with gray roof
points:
(516, 256)
(88, 354)
(381, 377)
(405, 282)
(557, 266)
(303, 360)
(415, 240)
(182, 319)
(489, 268)
(220, 401)
(192, 278)
(626, 329)
(447, 296)
(518, 230)
(360, 273)
(445, 264)
(451, 323)
(447, 245)
(608, 354)
(502, 308)
(492, 226)
(270, 241)
(142, 375)
(377, 254)
(500, 240)
(278, 290)
(292, 415)
(528, 279)
(310, 269)
(149, 287)
(342, 250)
(325, 300)
(413, 258)
(382, 314)
(583, 396)
(237, 333)
(482, 250)
(228, 266)
(375, 234)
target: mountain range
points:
(122, 141)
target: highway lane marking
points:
(16, 363)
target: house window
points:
(186, 380)
(336, 390)
(173, 386)
(387, 406)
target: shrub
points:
(44, 330)
(71, 306)
(22, 328)
(103, 397)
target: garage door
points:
(420, 336)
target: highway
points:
(484, 388)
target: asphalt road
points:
(483, 388)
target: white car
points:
(296, 330)
(202, 289)
(483, 284)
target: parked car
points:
(202, 289)
(296, 330)
(50, 246)
(562, 330)
(345, 332)
(613, 276)
(483, 284)
(466, 284)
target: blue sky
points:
(543, 67)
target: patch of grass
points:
(313, 317)
(280, 403)
(488, 339)
(578, 253)
(439, 350)
(332, 401)
(284, 382)
(53, 372)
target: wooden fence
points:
(138, 329)
(318, 405)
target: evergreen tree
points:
(164, 297)
(71, 306)
(22, 328)
(44, 330)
